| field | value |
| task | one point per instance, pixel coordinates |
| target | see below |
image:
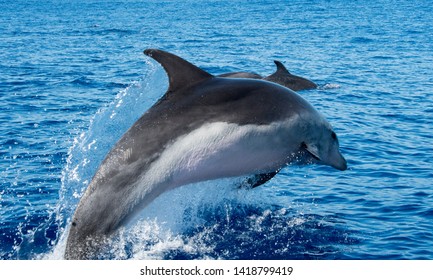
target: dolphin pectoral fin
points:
(259, 179)
(313, 150)
(263, 178)
(181, 73)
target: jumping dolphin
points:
(203, 128)
(281, 76)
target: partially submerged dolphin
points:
(203, 128)
(281, 76)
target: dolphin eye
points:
(333, 135)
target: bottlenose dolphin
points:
(203, 128)
(241, 75)
(281, 76)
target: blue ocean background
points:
(73, 78)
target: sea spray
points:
(105, 128)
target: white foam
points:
(330, 86)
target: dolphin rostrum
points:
(281, 76)
(203, 128)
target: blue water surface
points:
(73, 78)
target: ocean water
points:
(73, 78)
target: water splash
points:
(106, 127)
(90, 147)
(330, 86)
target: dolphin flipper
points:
(258, 180)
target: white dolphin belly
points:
(218, 150)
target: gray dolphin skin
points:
(281, 76)
(203, 128)
(241, 75)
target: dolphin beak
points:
(338, 161)
(334, 158)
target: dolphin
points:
(281, 76)
(241, 75)
(203, 128)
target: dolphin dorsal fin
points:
(280, 67)
(181, 73)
